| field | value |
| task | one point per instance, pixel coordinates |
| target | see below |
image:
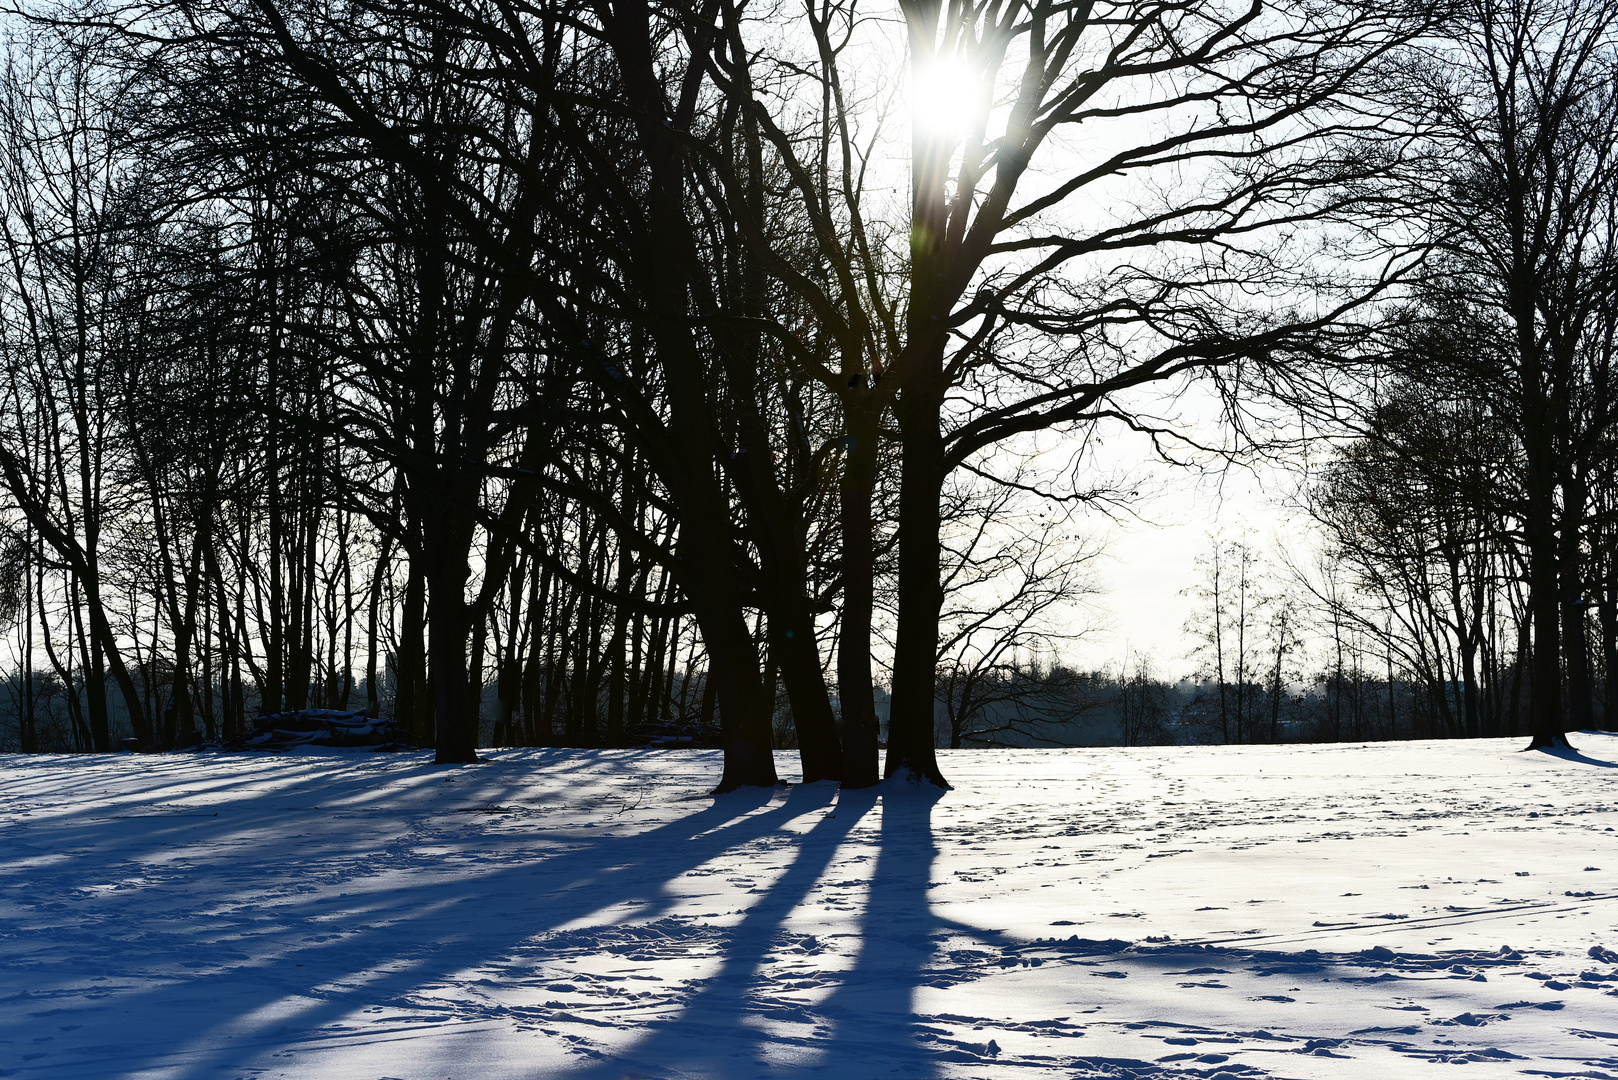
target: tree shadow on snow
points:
(341, 955)
(746, 1022)
(1574, 754)
(876, 1032)
(291, 979)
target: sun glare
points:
(943, 97)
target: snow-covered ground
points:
(1300, 911)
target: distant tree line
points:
(630, 359)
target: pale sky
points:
(1149, 565)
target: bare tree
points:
(1014, 587)
(1515, 191)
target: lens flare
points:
(943, 97)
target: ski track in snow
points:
(1254, 912)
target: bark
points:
(744, 714)
(454, 732)
(792, 642)
(1581, 704)
(709, 578)
(855, 682)
(373, 605)
(1539, 529)
(1607, 612)
(617, 683)
(921, 597)
(410, 663)
(27, 724)
(1471, 715)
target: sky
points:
(1149, 564)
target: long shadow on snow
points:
(739, 1025)
(721, 1030)
(462, 927)
(876, 1030)
(259, 791)
(427, 933)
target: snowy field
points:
(1372, 911)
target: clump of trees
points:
(1473, 510)
(625, 358)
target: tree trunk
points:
(915, 657)
(1580, 705)
(792, 641)
(855, 682)
(1472, 717)
(744, 714)
(373, 605)
(1607, 610)
(410, 663)
(447, 540)
(27, 724)
(1545, 696)
(617, 682)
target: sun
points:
(944, 97)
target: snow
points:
(1298, 911)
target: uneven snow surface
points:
(1371, 911)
